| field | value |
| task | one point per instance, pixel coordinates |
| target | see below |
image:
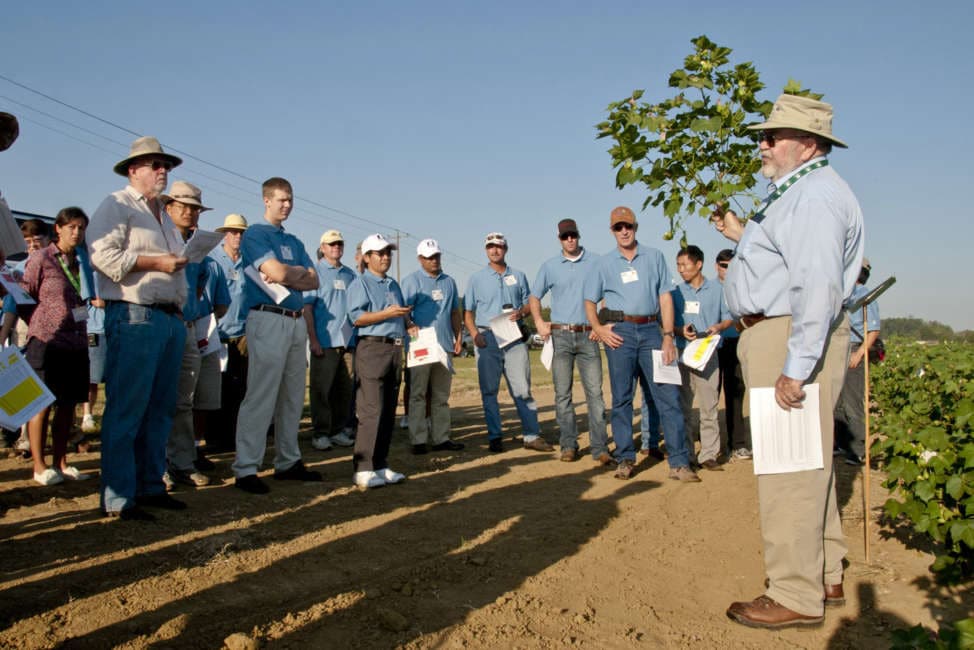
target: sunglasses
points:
(619, 227)
(723, 265)
(771, 137)
(568, 235)
(159, 164)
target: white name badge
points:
(437, 294)
(692, 307)
(80, 314)
(629, 276)
(339, 285)
(510, 280)
(286, 253)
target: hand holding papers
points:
(665, 374)
(425, 349)
(505, 330)
(277, 292)
(785, 441)
(698, 352)
(200, 245)
(547, 353)
(22, 394)
(9, 282)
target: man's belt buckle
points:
(397, 341)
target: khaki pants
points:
(803, 542)
(705, 385)
(437, 380)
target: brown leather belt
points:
(748, 320)
(639, 320)
(571, 328)
(274, 309)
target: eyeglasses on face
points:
(385, 252)
(568, 235)
(723, 265)
(619, 227)
(772, 137)
(157, 164)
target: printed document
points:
(663, 374)
(785, 441)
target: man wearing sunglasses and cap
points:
(135, 251)
(637, 320)
(797, 260)
(492, 291)
(573, 340)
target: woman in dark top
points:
(57, 340)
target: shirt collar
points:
(779, 181)
(581, 254)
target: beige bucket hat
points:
(144, 146)
(802, 114)
(9, 130)
(235, 222)
(185, 193)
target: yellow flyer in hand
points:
(22, 393)
(698, 352)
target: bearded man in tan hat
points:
(12, 241)
(136, 253)
(797, 260)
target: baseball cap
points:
(331, 236)
(376, 242)
(428, 248)
(495, 238)
(621, 214)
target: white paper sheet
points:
(277, 292)
(207, 338)
(663, 374)
(505, 330)
(425, 349)
(22, 393)
(785, 441)
(200, 245)
(698, 352)
(9, 282)
(547, 354)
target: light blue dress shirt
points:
(636, 295)
(855, 316)
(370, 293)
(433, 301)
(330, 303)
(565, 279)
(260, 243)
(489, 291)
(801, 259)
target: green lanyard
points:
(75, 281)
(774, 196)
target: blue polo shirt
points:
(489, 291)
(565, 279)
(330, 303)
(855, 317)
(433, 301)
(370, 293)
(233, 322)
(215, 290)
(701, 307)
(260, 243)
(631, 287)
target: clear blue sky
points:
(452, 119)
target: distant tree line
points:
(924, 330)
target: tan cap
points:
(802, 114)
(9, 130)
(331, 236)
(235, 222)
(621, 214)
(144, 146)
(185, 193)
(866, 264)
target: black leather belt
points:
(571, 328)
(274, 309)
(165, 307)
(382, 339)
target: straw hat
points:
(185, 193)
(144, 146)
(802, 114)
(235, 222)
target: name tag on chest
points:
(338, 285)
(437, 294)
(629, 276)
(692, 307)
(510, 280)
(287, 254)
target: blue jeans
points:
(649, 425)
(571, 348)
(627, 362)
(145, 348)
(512, 362)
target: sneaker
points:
(420, 449)
(202, 463)
(448, 445)
(684, 474)
(163, 501)
(72, 473)
(297, 472)
(390, 477)
(192, 478)
(341, 440)
(48, 477)
(251, 483)
(538, 444)
(625, 469)
(88, 424)
(741, 453)
(321, 443)
(135, 513)
(22, 444)
(404, 422)
(168, 482)
(368, 479)
(495, 445)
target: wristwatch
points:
(670, 333)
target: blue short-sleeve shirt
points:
(330, 303)
(701, 307)
(489, 291)
(433, 301)
(260, 243)
(633, 287)
(233, 322)
(565, 279)
(370, 293)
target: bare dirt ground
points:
(474, 550)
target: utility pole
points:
(399, 256)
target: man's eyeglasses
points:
(619, 227)
(568, 235)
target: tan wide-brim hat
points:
(802, 114)
(185, 193)
(9, 130)
(144, 146)
(233, 222)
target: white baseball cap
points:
(428, 248)
(376, 242)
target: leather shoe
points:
(605, 459)
(568, 455)
(420, 449)
(135, 513)
(251, 483)
(538, 444)
(625, 469)
(495, 445)
(767, 613)
(448, 445)
(834, 595)
(297, 472)
(656, 454)
(163, 501)
(712, 465)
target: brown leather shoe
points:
(834, 595)
(605, 459)
(625, 470)
(568, 455)
(767, 613)
(538, 444)
(712, 465)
